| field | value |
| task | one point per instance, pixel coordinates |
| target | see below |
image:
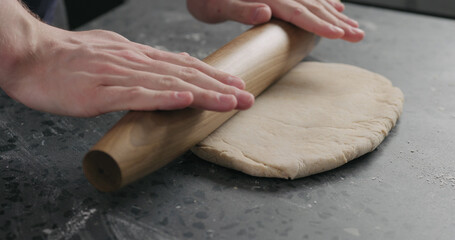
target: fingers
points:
(319, 17)
(336, 13)
(185, 60)
(212, 89)
(322, 17)
(188, 61)
(299, 14)
(337, 5)
(114, 98)
(350, 27)
(200, 74)
(192, 76)
(248, 12)
(203, 98)
(138, 56)
(327, 13)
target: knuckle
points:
(243, 14)
(342, 17)
(131, 55)
(203, 95)
(191, 61)
(126, 53)
(155, 54)
(107, 68)
(133, 92)
(169, 81)
(109, 34)
(296, 12)
(315, 8)
(189, 72)
(339, 23)
(229, 90)
(86, 49)
(208, 96)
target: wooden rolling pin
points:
(142, 142)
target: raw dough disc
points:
(317, 117)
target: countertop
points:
(403, 190)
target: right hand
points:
(93, 72)
(322, 17)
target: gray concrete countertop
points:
(403, 190)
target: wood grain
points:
(142, 142)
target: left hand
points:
(322, 17)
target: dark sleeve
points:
(45, 9)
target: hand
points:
(322, 17)
(94, 72)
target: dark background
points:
(82, 11)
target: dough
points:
(317, 117)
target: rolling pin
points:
(142, 142)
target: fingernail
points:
(257, 14)
(358, 30)
(245, 100)
(182, 95)
(337, 29)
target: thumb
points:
(249, 12)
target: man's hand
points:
(322, 17)
(94, 72)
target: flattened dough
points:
(317, 117)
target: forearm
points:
(19, 32)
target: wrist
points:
(19, 39)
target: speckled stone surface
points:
(403, 190)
